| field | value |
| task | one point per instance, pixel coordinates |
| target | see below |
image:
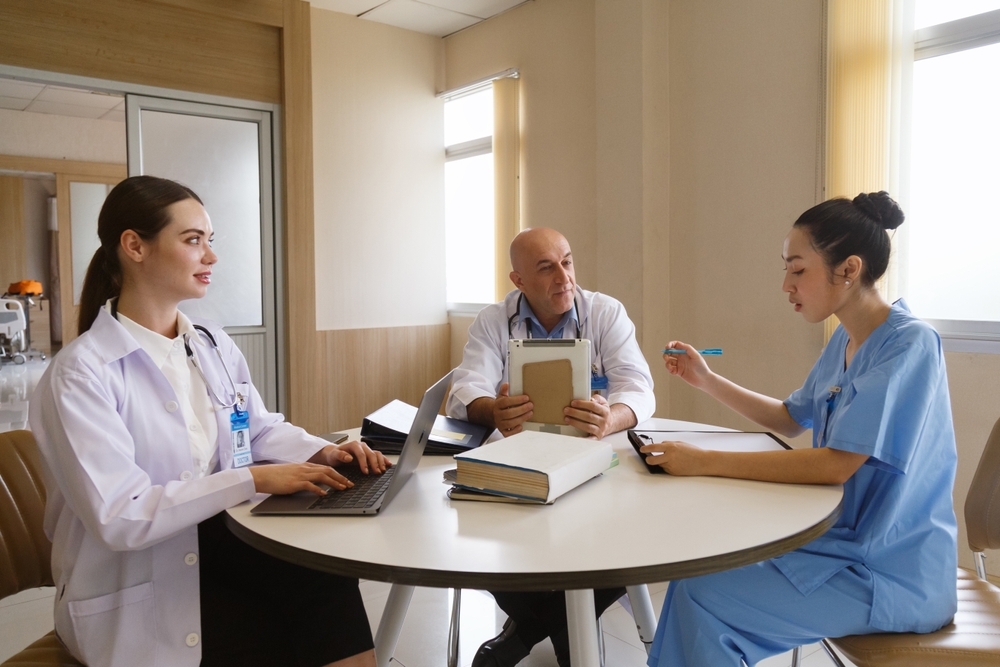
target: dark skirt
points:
(257, 610)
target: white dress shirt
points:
(195, 403)
(614, 353)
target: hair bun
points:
(881, 209)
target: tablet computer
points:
(552, 372)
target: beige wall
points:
(61, 137)
(378, 165)
(695, 135)
(381, 329)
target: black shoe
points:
(504, 650)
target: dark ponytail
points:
(138, 203)
(842, 227)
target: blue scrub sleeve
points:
(885, 410)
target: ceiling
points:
(432, 17)
(60, 101)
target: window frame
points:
(980, 336)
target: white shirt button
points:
(191, 639)
(193, 427)
(191, 559)
(186, 476)
(171, 406)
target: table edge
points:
(540, 581)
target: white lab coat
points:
(603, 321)
(123, 506)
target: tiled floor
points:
(423, 641)
(17, 381)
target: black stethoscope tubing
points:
(527, 328)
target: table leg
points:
(391, 623)
(582, 621)
(642, 613)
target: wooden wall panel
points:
(265, 12)
(144, 42)
(13, 259)
(367, 368)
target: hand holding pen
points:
(686, 362)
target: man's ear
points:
(515, 278)
(131, 243)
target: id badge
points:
(239, 433)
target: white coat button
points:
(171, 406)
(191, 639)
(186, 476)
(193, 427)
(191, 559)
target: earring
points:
(847, 282)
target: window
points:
(950, 246)
(469, 201)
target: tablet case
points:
(550, 386)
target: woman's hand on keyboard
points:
(367, 459)
(285, 478)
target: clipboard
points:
(553, 372)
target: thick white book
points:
(533, 465)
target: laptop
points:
(370, 493)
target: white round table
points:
(624, 528)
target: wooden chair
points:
(24, 549)
(973, 637)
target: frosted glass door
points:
(224, 155)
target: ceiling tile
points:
(57, 109)
(420, 17)
(80, 98)
(484, 9)
(353, 7)
(20, 89)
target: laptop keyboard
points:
(367, 490)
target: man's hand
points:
(593, 416)
(510, 412)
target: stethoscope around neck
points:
(527, 327)
(234, 403)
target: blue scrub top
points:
(898, 517)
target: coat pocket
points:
(116, 629)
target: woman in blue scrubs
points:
(877, 403)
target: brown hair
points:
(138, 203)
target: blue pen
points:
(712, 351)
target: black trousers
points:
(260, 611)
(541, 614)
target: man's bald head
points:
(527, 246)
(544, 272)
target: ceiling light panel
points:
(420, 17)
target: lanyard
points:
(527, 327)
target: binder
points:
(385, 430)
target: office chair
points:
(973, 637)
(639, 601)
(24, 549)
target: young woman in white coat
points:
(143, 424)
